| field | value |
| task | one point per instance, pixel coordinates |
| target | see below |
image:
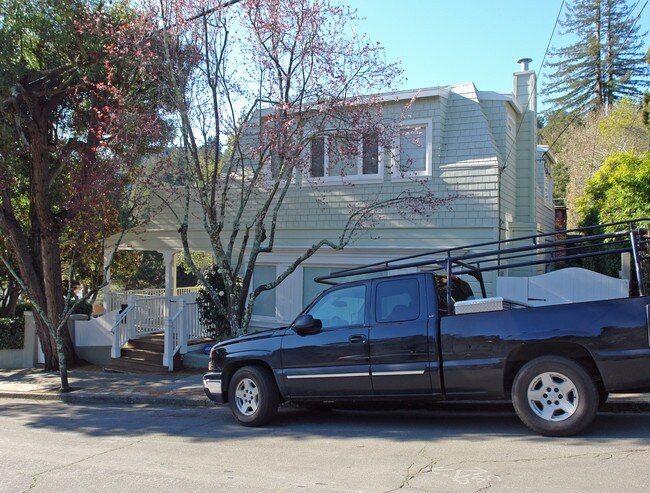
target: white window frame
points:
(398, 174)
(326, 179)
(269, 180)
(265, 318)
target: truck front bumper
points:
(212, 386)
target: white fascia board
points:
(387, 97)
(543, 150)
(427, 92)
(501, 96)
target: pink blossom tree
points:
(261, 80)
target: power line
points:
(534, 91)
(610, 61)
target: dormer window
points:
(339, 156)
(412, 153)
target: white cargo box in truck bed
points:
(570, 285)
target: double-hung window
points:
(265, 302)
(338, 156)
(412, 153)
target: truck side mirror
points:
(306, 324)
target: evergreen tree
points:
(607, 61)
(645, 102)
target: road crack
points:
(61, 467)
(414, 471)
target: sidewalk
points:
(185, 388)
(92, 384)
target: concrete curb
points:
(91, 398)
(614, 405)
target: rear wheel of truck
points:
(253, 396)
(555, 396)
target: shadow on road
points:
(396, 424)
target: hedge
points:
(12, 333)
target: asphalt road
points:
(50, 446)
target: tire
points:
(555, 396)
(603, 395)
(253, 396)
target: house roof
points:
(440, 91)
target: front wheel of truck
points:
(555, 396)
(253, 396)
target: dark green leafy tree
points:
(10, 290)
(75, 113)
(618, 191)
(552, 132)
(589, 143)
(606, 63)
(184, 275)
(645, 103)
(132, 270)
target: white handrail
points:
(174, 339)
(146, 314)
(120, 331)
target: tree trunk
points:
(11, 299)
(600, 83)
(48, 344)
(45, 231)
(61, 343)
(609, 62)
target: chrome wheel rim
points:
(247, 396)
(553, 396)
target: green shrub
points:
(83, 308)
(217, 324)
(12, 333)
(21, 308)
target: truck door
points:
(334, 358)
(400, 338)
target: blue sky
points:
(442, 42)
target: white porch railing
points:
(174, 336)
(187, 290)
(179, 320)
(115, 299)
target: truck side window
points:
(341, 308)
(460, 291)
(397, 301)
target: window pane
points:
(342, 155)
(341, 308)
(412, 149)
(398, 301)
(265, 302)
(311, 288)
(275, 165)
(317, 156)
(371, 154)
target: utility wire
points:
(541, 67)
(578, 114)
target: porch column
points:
(170, 272)
(106, 290)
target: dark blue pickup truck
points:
(404, 337)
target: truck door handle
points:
(357, 338)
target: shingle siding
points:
(483, 153)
